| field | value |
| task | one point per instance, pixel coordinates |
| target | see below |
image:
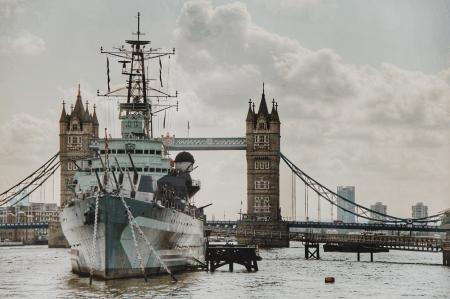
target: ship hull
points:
(176, 238)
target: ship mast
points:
(137, 112)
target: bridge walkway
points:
(385, 241)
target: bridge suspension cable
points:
(28, 185)
(331, 197)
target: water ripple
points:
(40, 272)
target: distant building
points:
(380, 208)
(347, 192)
(419, 210)
(33, 212)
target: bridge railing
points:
(391, 242)
(24, 225)
(380, 226)
(446, 245)
(344, 225)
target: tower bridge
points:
(399, 227)
(206, 144)
(79, 128)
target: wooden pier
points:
(357, 248)
(221, 255)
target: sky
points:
(363, 89)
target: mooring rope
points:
(94, 241)
(131, 220)
(133, 223)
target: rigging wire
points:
(325, 191)
(306, 203)
(331, 212)
(294, 199)
(318, 207)
(50, 173)
(34, 172)
(53, 188)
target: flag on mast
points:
(107, 67)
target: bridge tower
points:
(76, 129)
(263, 161)
(263, 179)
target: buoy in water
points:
(329, 279)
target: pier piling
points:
(312, 251)
(218, 256)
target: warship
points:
(132, 213)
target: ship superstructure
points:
(131, 211)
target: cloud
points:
(26, 139)
(383, 121)
(25, 43)
(231, 56)
(10, 9)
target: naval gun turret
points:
(177, 187)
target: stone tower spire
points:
(77, 129)
(79, 91)
(63, 117)
(263, 111)
(263, 162)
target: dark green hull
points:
(177, 238)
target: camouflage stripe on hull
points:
(177, 238)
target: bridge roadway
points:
(24, 225)
(446, 245)
(228, 229)
(391, 242)
(407, 243)
(353, 226)
(205, 144)
(291, 224)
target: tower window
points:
(261, 138)
(71, 166)
(262, 141)
(74, 140)
(261, 204)
(262, 126)
(262, 185)
(262, 164)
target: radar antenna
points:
(137, 112)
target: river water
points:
(40, 272)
